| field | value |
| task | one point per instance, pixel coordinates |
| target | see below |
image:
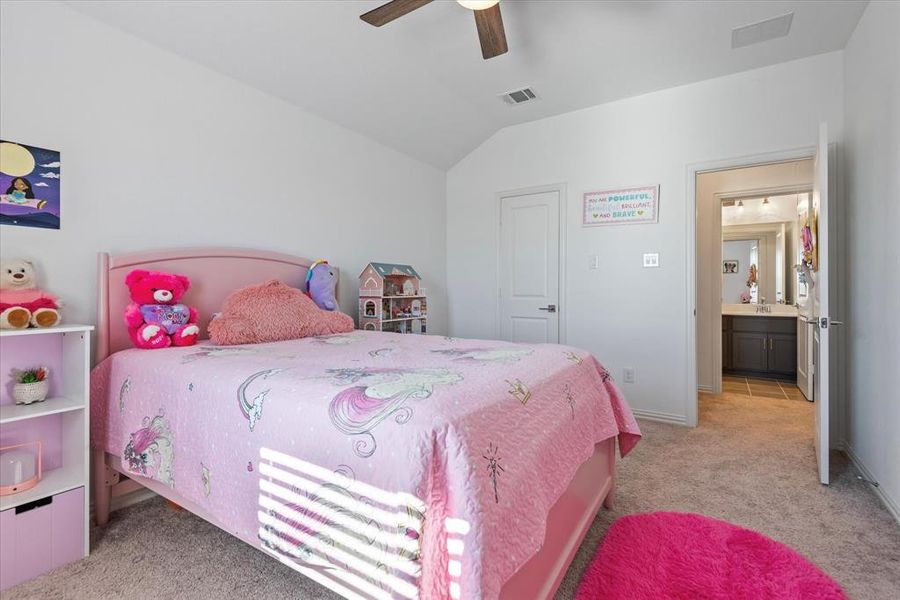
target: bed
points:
(381, 465)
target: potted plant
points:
(31, 385)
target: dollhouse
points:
(391, 298)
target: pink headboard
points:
(214, 273)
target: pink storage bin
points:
(40, 536)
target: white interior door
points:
(824, 351)
(529, 267)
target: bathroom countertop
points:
(784, 311)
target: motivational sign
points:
(620, 207)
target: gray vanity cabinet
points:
(749, 351)
(759, 346)
(783, 352)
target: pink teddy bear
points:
(155, 318)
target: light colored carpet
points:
(750, 462)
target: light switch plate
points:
(594, 261)
(651, 260)
(628, 375)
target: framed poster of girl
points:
(29, 186)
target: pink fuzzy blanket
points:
(272, 312)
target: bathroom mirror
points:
(760, 250)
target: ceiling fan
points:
(487, 20)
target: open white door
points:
(824, 263)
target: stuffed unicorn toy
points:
(321, 281)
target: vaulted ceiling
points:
(420, 85)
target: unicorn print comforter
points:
(396, 466)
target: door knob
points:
(823, 322)
(548, 308)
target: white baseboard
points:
(889, 503)
(655, 415)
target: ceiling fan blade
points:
(490, 32)
(392, 10)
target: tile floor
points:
(765, 388)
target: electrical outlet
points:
(594, 261)
(651, 260)
(628, 375)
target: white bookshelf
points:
(70, 402)
(53, 482)
(11, 413)
(45, 331)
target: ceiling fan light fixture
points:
(488, 21)
(477, 4)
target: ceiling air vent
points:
(519, 96)
(761, 31)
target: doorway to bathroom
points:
(753, 301)
(765, 300)
(755, 343)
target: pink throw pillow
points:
(270, 312)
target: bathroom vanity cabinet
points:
(760, 346)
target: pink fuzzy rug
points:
(683, 555)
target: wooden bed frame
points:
(215, 273)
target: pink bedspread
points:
(391, 463)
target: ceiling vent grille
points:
(519, 96)
(761, 31)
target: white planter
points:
(26, 393)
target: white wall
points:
(626, 315)
(872, 184)
(159, 152)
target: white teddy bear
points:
(22, 303)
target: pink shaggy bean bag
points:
(668, 555)
(271, 312)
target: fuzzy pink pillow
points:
(270, 312)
